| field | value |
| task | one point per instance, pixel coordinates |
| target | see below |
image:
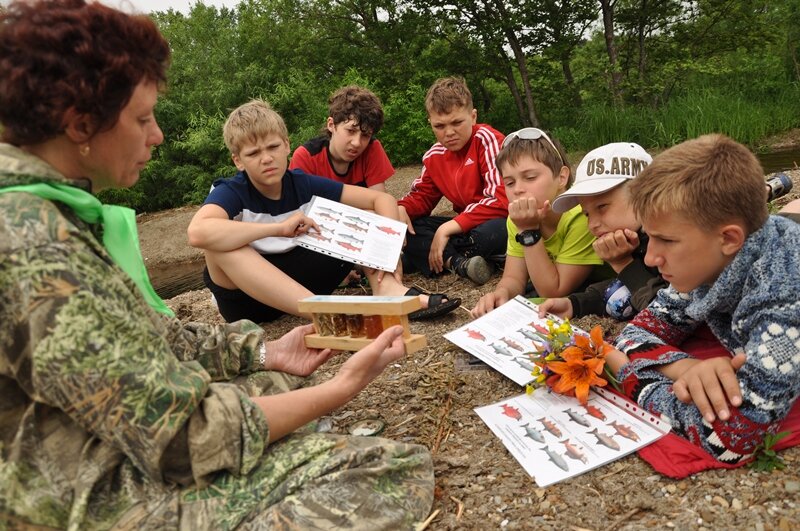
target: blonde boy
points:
(246, 227)
(552, 249)
(730, 267)
(460, 167)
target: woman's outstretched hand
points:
(366, 364)
(290, 354)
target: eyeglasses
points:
(532, 133)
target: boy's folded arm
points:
(213, 230)
(768, 389)
(730, 440)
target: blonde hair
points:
(539, 150)
(252, 121)
(448, 93)
(711, 181)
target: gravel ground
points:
(429, 396)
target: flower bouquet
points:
(569, 362)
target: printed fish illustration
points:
(351, 238)
(539, 328)
(353, 226)
(533, 433)
(357, 219)
(594, 411)
(513, 344)
(318, 236)
(625, 431)
(348, 246)
(577, 417)
(573, 452)
(605, 440)
(551, 427)
(524, 364)
(473, 334)
(511, 411)
(500, 349)
(324, 228)
(556, 459)
(328, 216)
(388, 230)
(329, 210)
(530, 335)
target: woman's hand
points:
(366, 364)
(290, 354)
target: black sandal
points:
(438, 304)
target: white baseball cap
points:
(602, 169)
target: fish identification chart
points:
(554, 437)
(503, 338)
(354, 235)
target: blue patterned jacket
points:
(752, 307)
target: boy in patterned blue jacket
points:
(732, 268)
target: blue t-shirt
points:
(243, 202)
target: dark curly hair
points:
(358, 104)
(57, 55)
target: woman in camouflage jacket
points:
(113, 413)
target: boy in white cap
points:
(601, 188)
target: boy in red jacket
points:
(348, 151)
(461, 167)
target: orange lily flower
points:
(590, 348)
(577, 373)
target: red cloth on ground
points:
(675, 456)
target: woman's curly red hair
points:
(61, 54)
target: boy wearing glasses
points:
(460, 167)
(551, 248)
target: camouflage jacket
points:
(99, 391)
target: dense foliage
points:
(592, 71)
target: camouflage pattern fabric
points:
(115, 416)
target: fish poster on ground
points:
(554, 437)
(354, 235)
(504, 337)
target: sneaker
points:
(476, 268)
(498, 260)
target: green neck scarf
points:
(119, 231)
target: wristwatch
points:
(262, 355)
(528, 237)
